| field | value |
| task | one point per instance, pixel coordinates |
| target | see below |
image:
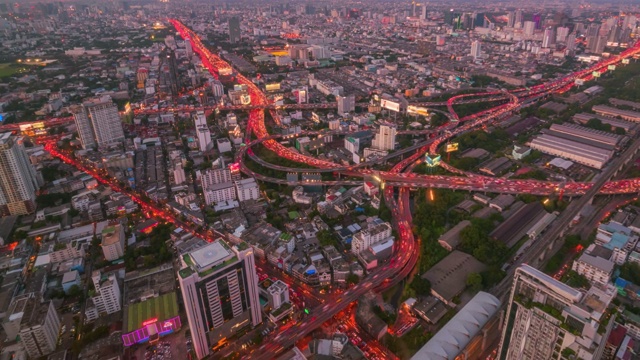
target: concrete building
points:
(113, 242)
(609, 111)
(234, 30)
(278, 294)
(98, 122)
(375, 233)
(545, 317)
(449, 276)
(18, 179)
(476, 49)
(596, 269)
(466, 335)
(202, 131)
(215, 176)
(247, 189)
(219, 287)
(220, 192)
(385, 138)
(39, 326)
(107, 299)
(451, 238)
(346, 104)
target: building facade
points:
(18, 179)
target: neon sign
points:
(150, 321)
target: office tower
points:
(18, 179)
(219, 287)
(39, 325)
(172, 74)
(385, 139)
(596, 44)
(571, 41)
(203, 132)
(614, 34)
(549, 37)
(518, 20)
(448, 17)
(234, 30)
(423, 11)
(511, 19)
(476, 49)
(529, 28)
(562, 34)
(545, 317)
(98, 123)
(346, 104)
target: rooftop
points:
(209, 255)
(162, 308)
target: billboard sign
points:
(596, 74)
(390, 105)
(411, 109)
(273, 87)
(625, 61)
(611, 67)
(432, 161)
(245, 99)
(451, 147)
(579, 82)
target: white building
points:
(39, 327)
(203, 132)
(215, 176)
(219, 192)
(66, 251)
(179, 176)
(278, 294)
(385, 139)
(224, 145)
(113, 242)
(596, 269)
(548, 38)
(107, 299)
(247, 189)
(18, 179)
(376, 232)
(476, 49)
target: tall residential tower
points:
(18, 179)
(98, 123)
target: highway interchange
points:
(400, 176)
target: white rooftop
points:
(209, 255)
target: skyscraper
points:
(234, 30)
(545, 317)
(562, 33)
(423, 11)
(549, 37)
(529, 28)
(385, 139)
(187, 48)
(203, 132)
(18, 179)
(537, 19)
(518, 20)
(511, 19)
(219, 286)
(476, 49)
(98, 123)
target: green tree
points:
(421, 286)
(474, 282)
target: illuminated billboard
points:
(451, 147)
(33, 129)
(272, 87)
(390, 105)
(596, 74)
(245, 99)
(411, 109)
(625, 61)
(579, 82)
(225, 71)
(432, 161)
(612, 67)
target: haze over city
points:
(319, 180)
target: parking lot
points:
(170, 347)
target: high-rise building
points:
(346, 104)
(215, 176)
(375, 233)
(107, 299)
(423, 12)
(571, 41)
(537, 19)
(480, 20)
(39, 326)
(217, 88)
(518, 20)
(385, 139)
(202, 130)
(98, 123)
(529, 28)
(549, 37)
(547, 319)
(188, 50)
(219, 287)
(234, 30)
(18, 179)
(511, 19)
(562, 33)
(476, 49)
(596, 44)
